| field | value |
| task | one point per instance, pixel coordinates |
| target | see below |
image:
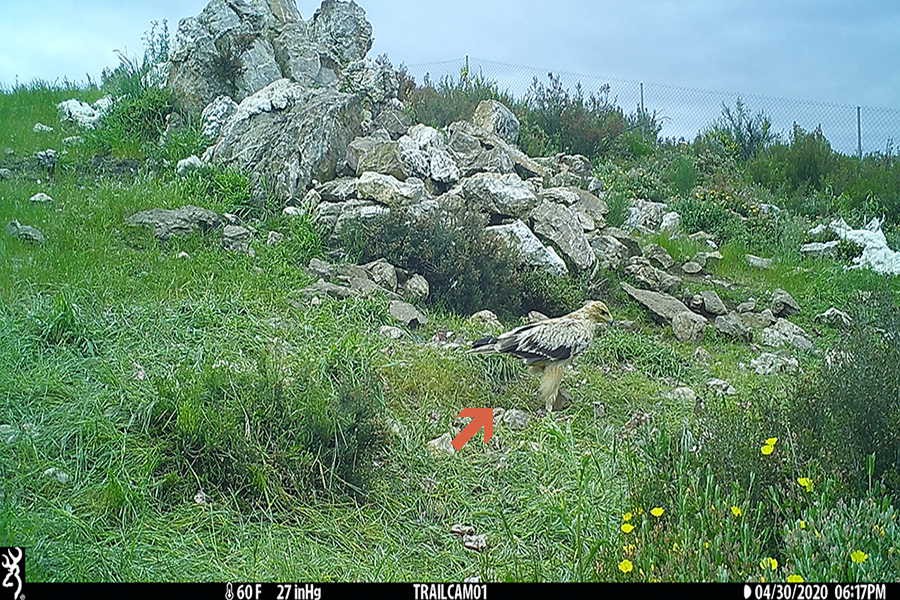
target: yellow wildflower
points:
(657, 511)
(769, 563)
(795, 579)
(627, 527)
(736, 511)
(771, 441)
(627, 516)
(858, 556)
(767, 449)
(801, 524)
(626, 566)
(806, 483)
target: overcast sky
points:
(838, 51)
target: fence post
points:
(642, 97)
(858, 133)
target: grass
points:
(103, 325)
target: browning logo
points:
(12, 561)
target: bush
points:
(468, 268)
(847, 414)
(712, 216)
(182, 142)
(741, 133)
(269, 435)
(451, 99)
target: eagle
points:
(548, 346)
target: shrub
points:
(847, 414)
(269, 434)
(681, 175)
(451, 99)
(740, 132)
(711, 216)
(468, 268)
(182, 142)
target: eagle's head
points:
(596, 311)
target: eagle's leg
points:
(549, 389)
(562, 400)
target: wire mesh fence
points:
(684, 112)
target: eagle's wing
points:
(550, 340)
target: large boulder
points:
(784, 333)
(530, 249)
(494, 117)
(558, 224)
(389, 191)
(287, 135)
(180, 221)
(497, 194)
(643, 272)
(237, 47)
(662, 306)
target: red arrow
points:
(481, 417)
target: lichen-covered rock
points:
(188, 165)
(529, 248)
(496, 118)
(406, 313)
(712, 303)
(237, 47)
(558, 224)
(335, 217)
(83, 114)
(236, 239)
(389, 191)
(645, 215)
(215, 115)
(731, 325)
(180, 221)
(784, 333)
(771, 364)
(498, 194)
(783, 304)
(688, 326)
(662, 306)
(643, 272)
(610, 252)
(287, 135)
(657, 254)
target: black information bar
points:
(462, 591)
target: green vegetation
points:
(200, 411)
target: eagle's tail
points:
(485, 345)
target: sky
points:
(823, 50)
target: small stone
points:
(461, 530)
(41, 128)
(748, 306)
(274, 238)
(712, 303)
(41, 198)
(201, 498)
(416, 287)
(236, 239)
(758, 320)
(691, 267)
(187, 165)
(475, 542)
(599, 410)
(138, 373)
(783, 304)
(688, 326)
(73, 140)
(292, 211)
(682, 394)
(757, 262)
(182, 255)
(768, 363)
(406, 313)
(5, 174)
(702, 355)
(442, 443)
(732, 326)
(721, 387)
(834, 317)
(57, 474)
(390, 332)
(516, 419)
(486, 317)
